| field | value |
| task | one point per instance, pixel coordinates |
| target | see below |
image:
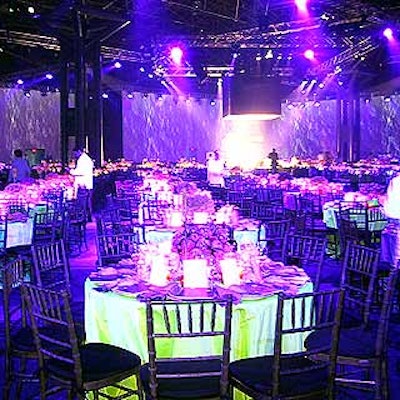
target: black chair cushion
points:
(353, 342)
(99, 361)
(183, 388)
(22, 340)
(256, 374)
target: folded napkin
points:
(160, 292)
(100, 277)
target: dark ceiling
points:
(344, 34)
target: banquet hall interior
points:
(244, 159)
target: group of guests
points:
(83, 172)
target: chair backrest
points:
(307, 252)
(12, 275)
(271, 235)
(263, 212)
(45, 226)
(53, 329)
(354, 211)
(302, 315)
(114, 247)
(359, 279)
(208, 320)
(51, 266)
(152, 212)
(383, 326)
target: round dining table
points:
(118, 317)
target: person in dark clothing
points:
(20, 170)
(273, 156)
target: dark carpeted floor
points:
(82, 264)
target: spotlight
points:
(235, 55)
(117, 65)
(212, 103)
(31, 10)
(151, 76)
(176, 55)
(301, 4)
(388, 33)
(20, 82)
(27, 93)
(269, 54)
(104, 96)
(309, 54)
(49, 76)
(129, 96)
(387, 99)
(338, 69)
(141, 69)
(258, 57)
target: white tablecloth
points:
(19, 233)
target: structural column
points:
(64, 93)
(94, 118)
(81, 82)
(348, 125)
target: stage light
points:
(309, 54)
(49, 76)
(141, 69)
(151, 76)
(321, 85)
(269, 54)
(31, 10)
(20, 82)
(27, 93)
(176, 55)
(258, 57)
(104, 96)
(213, 102)
(129, 96)
(387, 99)
(388, 33)
(301, 4)
(117, 64)
(338, 69)
(235, 55)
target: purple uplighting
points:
(309, 54)
(176, 55)
(388, 33)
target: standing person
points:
(83, 174)
(392, 201)
(20, 169)
(216, 170)
(273, 156)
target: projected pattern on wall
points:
(167, 130)
(32, 122)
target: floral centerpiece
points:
(208, 241)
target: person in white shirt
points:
(215, 170)
(392, 200)
(83, 176)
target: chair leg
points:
(384, 384)
(21, 372)
(8, 382)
